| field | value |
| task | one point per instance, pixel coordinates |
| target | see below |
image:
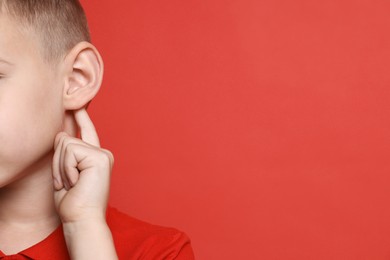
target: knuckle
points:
(68, 147)
(62, 135)
(58, 139)
(68, 168)
(107, 157)
(59, 134)
(109, 154)
(102, 157)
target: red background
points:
(260, 128)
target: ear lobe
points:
(84, 74)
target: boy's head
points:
(58, 24)
(48, 69)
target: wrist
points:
(94, 215)
(85, 225)
(89, 239)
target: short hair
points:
(59, 24)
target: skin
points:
(41, 108)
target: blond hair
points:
(59, 24)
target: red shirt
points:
(133, 239)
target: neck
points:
(28, 203)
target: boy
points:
(54, 186)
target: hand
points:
(81, 173)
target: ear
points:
(83, 75)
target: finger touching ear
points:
(84, 74)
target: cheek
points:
(44, 116)
(28, 127)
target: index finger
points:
(87, 129)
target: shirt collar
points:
(52, 247)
